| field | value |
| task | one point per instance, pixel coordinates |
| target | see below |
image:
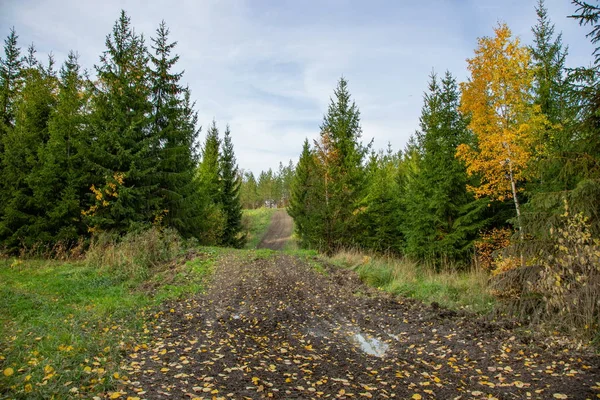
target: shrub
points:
(135, 254)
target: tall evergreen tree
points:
(436, 197)
(21, 223)
(230, 194)
(380, 213)
(306, 204)
(548, 56)
(208, 170)
(174, 134)
(123, 145)
(10, 84)
(342, 155)
(63, 180)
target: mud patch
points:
(274, 328)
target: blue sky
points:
(268, 67)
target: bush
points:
(564, 287)
(135, 254)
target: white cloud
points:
(269, 68)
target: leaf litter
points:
(272, 327)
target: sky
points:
(269, 67)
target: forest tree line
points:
(114, 152)
(496, 165)
(271, 189)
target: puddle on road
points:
(370, 345)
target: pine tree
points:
(123, 147)
(230, 195)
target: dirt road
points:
(275, 328)
(279, 232)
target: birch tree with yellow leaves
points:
(503, 117)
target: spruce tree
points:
(341, 156)
(436, 196)
(10, 86)
(209, 167)
(230, 182)
(10, 83)
(306, 204)
(548, 56)
(122, 143)
(380, 216)
(173, 137)
(21, 223)
(63, 179)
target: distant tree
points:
(230, 194)
(249, 191)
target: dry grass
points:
(135, 254)
(449, 288)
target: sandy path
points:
(279, 231)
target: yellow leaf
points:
(116, 375)
(115, 395)
(164, 370)
(87, 369)
(416, 396)
(8, 372)
(28, 388)
(560, 396)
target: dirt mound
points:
(279, 232)
(275, 328)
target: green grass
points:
(456, 290)
(256, 223)
(65, 325)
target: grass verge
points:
(255, 223)
(64, 326)
(467, 290)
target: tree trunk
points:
(517, 208)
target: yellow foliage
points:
(497, 98)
